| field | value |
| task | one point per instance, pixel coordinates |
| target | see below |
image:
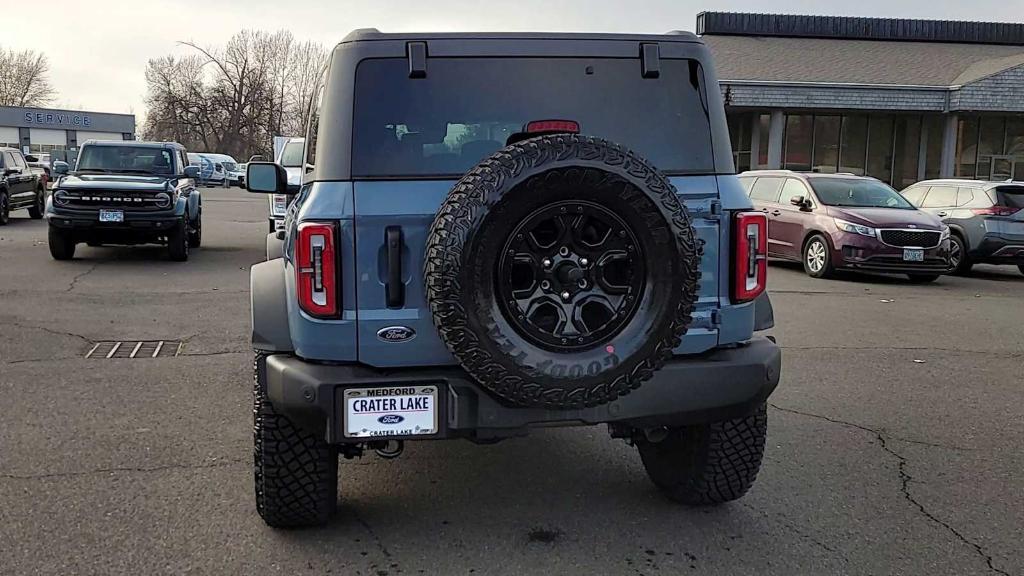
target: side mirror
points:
(31, 159)
(266, 178)
(257, 158)
(60, 167)
(191, 171)
(800, 201)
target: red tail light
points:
(316, 269)
(996, 211)
(750, 268)
(552, 126)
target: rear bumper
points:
(997, 249)
(719, 385)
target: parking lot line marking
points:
(156, 352)
(95, 346)
(136, 350)
(113, 350)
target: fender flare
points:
(764, 314)
(275, 246)
(270, 332)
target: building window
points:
(906, 151)
(853, 144)
(967, 148)
(798, 140)
(826, 144)
(933, 129)
(765, 121)
(740, 127)
(880, 148)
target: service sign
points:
(391, 411)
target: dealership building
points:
(39, 130)
(899, 100)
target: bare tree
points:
(234, 98)
(24, 79)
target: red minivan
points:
(841, 221)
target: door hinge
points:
(715, 211)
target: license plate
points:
(913, 255)
(392, 411)
(111, 215)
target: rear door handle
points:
(943, 213)
(394, 289)
(776, 212)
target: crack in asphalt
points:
(45, 476)
(78, 277)
(51, 331)
(372, 533)
(905, 479)
(781, 519)
(908, 348)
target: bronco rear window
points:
(466, 108)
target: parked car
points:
(476, 252)
(986, 219)
(840, 221)
(235, 175)
(20, 186)
(42, 161)
(290, 157)
(123, 192)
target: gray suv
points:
(986, 219)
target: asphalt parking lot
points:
(894, 439)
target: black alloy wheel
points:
(571, 275)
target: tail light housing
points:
(750, 256)
(316, 269)
(996, 211)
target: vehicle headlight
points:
(855, 228)
(945, 233)
(162, 200)
(60, 198)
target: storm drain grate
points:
(135, 349)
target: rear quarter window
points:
(1012, 196)
(466, 108)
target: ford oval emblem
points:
(390, 419)
(396, 334)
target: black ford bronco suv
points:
(497, 232)
(124, 192)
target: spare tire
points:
(562, 271)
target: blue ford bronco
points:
(496, 232)
(126, 192)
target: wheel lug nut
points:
(582, 284)
(546, 263)
(545, 284)
(564, 251)
(565, 295)
(584, 262)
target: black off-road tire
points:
(61, 242)
(295, 471)
(5, 208)
(177, 242)
(479, 216)
(195, 234)
(36, 210)
(707, 464)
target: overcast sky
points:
(98, 49)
